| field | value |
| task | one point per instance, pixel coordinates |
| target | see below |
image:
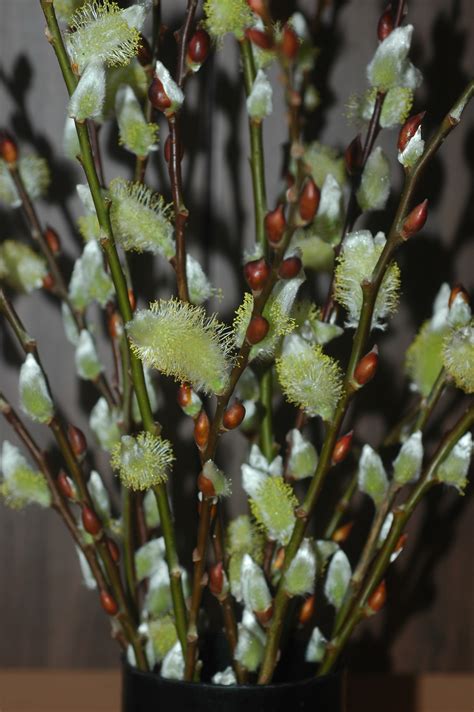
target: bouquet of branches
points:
(320, 290)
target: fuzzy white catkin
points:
(35, 400)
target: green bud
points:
(458, 357)
(375, 182)
(21, 267)
(181, 341)
(150, 510)
(311, 380)
(360, 253)
(303, 458)
(454, 468)
(87, 100)
(149, 558)
(163, 636)
(35, 399)
(372, 476)
(135, 134)
(89, 281)
(88, 365)
(300, 577)
(259, 101)
(223, 16)
(141, 219)
(21, 484)
(337, 579)
(104, 424)
(142, 461)
(407, 466)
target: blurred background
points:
(47, 617)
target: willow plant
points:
(282, 563)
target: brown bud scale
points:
(290, 268)
(108, 603)
(77, 440)
(275, 224)
(367, 367)
(257, 329)
(201, 430)
(233, 416)
(342, 447)
(257, 273)
(308, 202)
(90, 521)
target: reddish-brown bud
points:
(64, 485)
(289, 43)
(342, 447)
(108, 603)
(198, 47)
(233, 416)
(342, 533)
(279, 558)
(353, 156)
(458, 290)
(48, 282)
(8, 148)
(77, 440)
(201, 430)
(306, 611)
(114, 551)
(159, 99)
(415, 220)
(257, 273)
(257, 6)
(257, 329)
(259, 38)
(216, 579)
(275, 224)
(367, 367)
(308, 202)
(385, 26)
(132, 300)
(409, 129)
(91, 521)
(144, 54)
(265, 616)
(184, 395)
(115, 325)
(402, 540)
(290, 268)
(378, 598)
(206, 486)
(52, 240)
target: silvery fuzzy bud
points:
(255, 592)
(35, 399)
(337, 579)
(300, 578)
(372, 477)
(88, 365)
(453, 470)
(303, 458)
(135, 133)
(407, 466)
(99, 496)
(259, 101)
(172, 667)
(316, 647)
(21, 484)
(375, 182)
(390, 65)
(87, 100)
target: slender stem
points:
(428, 404)
(367, 553)
(120, 284)
(58, 502)
(370, 291)
(342, 506)
(125, 615)
(199, 559)
(401, 516)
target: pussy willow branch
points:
(174, 166)
(370, 291)
(341, 506)
(120, 284)
(353, 211)
(74, 467)
(141, 162)
(58, 503)
(60, 288)
(401, 515)
(257, 165)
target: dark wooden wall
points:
(46, 615)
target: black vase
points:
(149, 692)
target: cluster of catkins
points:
(182, 341)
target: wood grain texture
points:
(47, 618)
